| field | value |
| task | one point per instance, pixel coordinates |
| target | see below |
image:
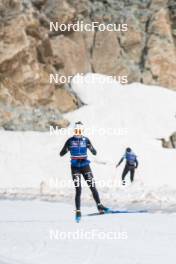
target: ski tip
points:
(108, 210)
(143, 211)
(78, 219)
(129, 211)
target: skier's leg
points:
(88, 176)
(132, 171)
(76, 176)
(125, 171)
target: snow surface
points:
(25, 236)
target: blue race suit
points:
(131, 165)
(78, 150)
(80, 166)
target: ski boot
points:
(102, 209)
(78, 216)
(123, 182)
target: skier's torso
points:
(130, 159)
(78, 151)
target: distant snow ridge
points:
(30, 161)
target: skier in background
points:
(131, 164)
(78, 145)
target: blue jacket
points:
(78, 150)
(131, 159)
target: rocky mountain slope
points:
(29, 52)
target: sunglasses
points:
(78, 131)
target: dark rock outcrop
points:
(170, 143)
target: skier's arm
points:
(137, 163)
(120, 162)
(91, 148)
(65, 149)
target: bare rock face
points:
(117, 54)
(161, 55)
(26, 60)
(29, 52)
(59, 10)
(65, 101)
(106, 62)
(74, 55)
(32, 119)
(146, 52)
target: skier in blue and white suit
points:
(131, 164)
(77, 145)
